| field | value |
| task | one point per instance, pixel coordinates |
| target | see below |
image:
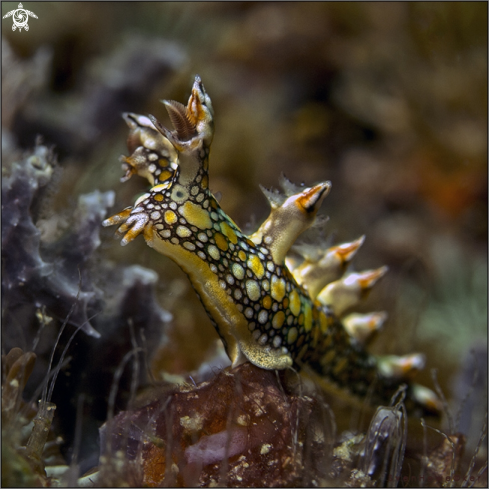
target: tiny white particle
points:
(265, 448)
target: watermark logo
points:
(20, 16)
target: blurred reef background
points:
(386, 100)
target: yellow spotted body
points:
(261, 307)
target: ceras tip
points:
(426, 398)
(349, 290)
(320, 267)
(401, 367)
(367, 280)
(289, 217)
(347, 251)
(311, 199)
(117, 218)
(362, 327)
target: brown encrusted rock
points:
(443, 462)
(239, 429)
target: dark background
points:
(386, 100)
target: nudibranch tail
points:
(269, 307)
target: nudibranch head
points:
(176, 165)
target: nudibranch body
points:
(269, 309)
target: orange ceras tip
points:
(401, 367)
(366, 280)
(346, 251)
(311, 197)
(117, 218)
(426, 397)
(363, 326)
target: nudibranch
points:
(273, 310)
